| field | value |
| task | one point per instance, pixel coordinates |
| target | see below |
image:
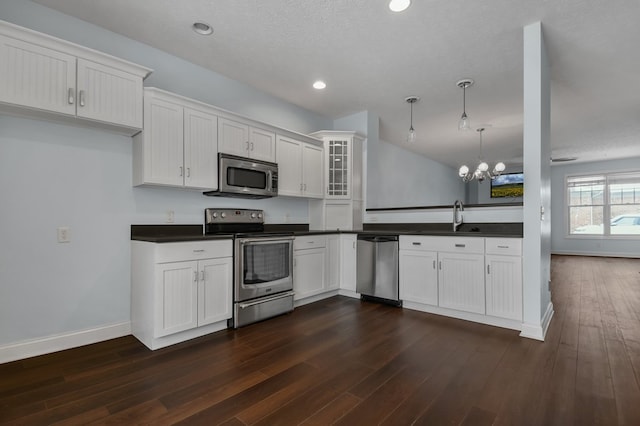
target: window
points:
(604, 204)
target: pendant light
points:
(411, 136)
(482, 171)
(463, 124)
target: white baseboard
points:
(348, 293)
(538, 331)
(595, 254)
(60, 342)
(316, 298)
(467, 316)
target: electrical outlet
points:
(171, 216)
(64, 234)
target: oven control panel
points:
(233, 216)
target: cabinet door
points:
(338, 168)
(338, 215)
(461, 282)
(288, 155)
(163, 143)
(176, 303)
(333, 262)
(419, 277)
(200, 150)
(262, 144)
(308, 272)
(312, 167)
(37, 77)
(504, 286)
(233, 137)
(108, 94)
(214, 290)
(348, 262)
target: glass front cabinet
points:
(341, 208)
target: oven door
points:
(264, 266)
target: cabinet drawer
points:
(178, 252)
(309, 242)
(461, 244)
(508, 246)
(419, 242)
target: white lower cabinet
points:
(348, 244)
(180, 290)
(419, 276)
(333, 262)
(461, 281)
(478, 279)
(504, 278)
(309, 266)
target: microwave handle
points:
(269, 180)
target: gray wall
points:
(58, 175)
(561, 243)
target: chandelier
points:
(482, 171)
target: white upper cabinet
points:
(37, 77)
(178, 146)
(343, 155)
(108, 94)
(299, 168)
(240, 139)
(46, 77)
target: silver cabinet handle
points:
(199, 251)
(202, 275)
(247, 145)
(300, 187)
(434, 264)
(251, 146)
(195, 276)
(305, 187)
(503, 246)
(188, 171)
(440, 265)
(488, 269)
(81, 97)
(181, 170)
(415, 243)
(70, 96)
(461, 245)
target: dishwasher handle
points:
(378, 238)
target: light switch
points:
(64, 234)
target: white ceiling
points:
(372, 59)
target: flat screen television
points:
(509, 185)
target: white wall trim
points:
(535, 331)
(467, 316)
(596, 254)
(35, 347)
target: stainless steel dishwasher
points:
(377, 268)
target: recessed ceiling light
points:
(202, 28)
(319, 85)
(399, 5)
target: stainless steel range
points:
(263, 264)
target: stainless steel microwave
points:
(245, 177)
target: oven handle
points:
(263, 300)
(265, 239)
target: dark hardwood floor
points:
(346, 362)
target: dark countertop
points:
(180, 233)
(448, 206)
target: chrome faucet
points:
(458, 218)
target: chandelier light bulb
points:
(464, 170)
(483, 167)
(499, 168)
